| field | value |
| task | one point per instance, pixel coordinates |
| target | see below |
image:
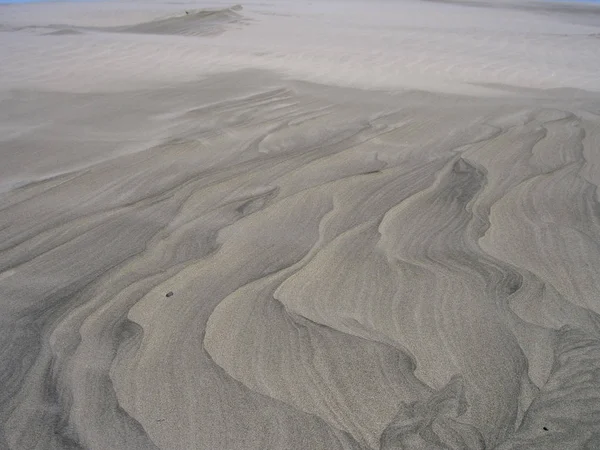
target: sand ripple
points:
(344, 271)
(243, 261)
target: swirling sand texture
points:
(193, 260)
(417, 271)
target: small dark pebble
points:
(545, 428)
(170, 294)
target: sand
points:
(336, 225)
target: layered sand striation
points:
(244, 260)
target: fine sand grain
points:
(344, 225)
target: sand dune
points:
(252, 260)
(190, 23)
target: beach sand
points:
(336, 225)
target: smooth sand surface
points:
(336, 225)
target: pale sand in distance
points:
(296, 225)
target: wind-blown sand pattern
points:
(255, 260)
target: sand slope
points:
(343, 275)
(243, 261)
